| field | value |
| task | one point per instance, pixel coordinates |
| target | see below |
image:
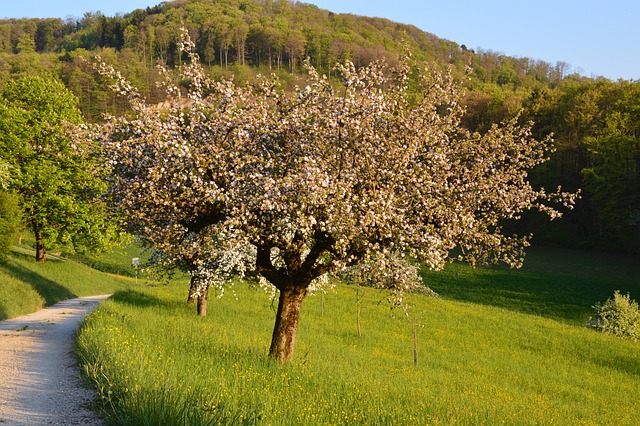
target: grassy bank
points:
(485, 357)
(27, 286)
(555, 283)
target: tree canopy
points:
(241, 38)
(56, 178)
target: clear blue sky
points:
(595, 37)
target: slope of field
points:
(28, 286)
(499, 346)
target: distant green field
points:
(118, 261)
(499, 347)
(555, 283)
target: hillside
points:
(498, 347)
(28, 286)
(595, 122)
(259, 33)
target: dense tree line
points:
(277, 34)
(596, 127)
(595, 122)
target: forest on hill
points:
(595, 122)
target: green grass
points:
(556, 283)
(27, 286)
(118, 261)
(500, 346)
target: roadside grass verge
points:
(27, 286)
(481, 361)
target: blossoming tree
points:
(319, 179)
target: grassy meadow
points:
(499, 347)
(27, 286)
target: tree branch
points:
(265, 267)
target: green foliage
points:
(55, 176)
(10, 214)
(278, 35)
(480, 364)
(619, 316)
(613, 182)
(10, 220)
(596, 125)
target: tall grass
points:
(483, 361)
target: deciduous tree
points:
(319, 179)
(55, 177)
(9, 211)
(613, 182)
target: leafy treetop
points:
(55, 176)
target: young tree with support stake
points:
(320, 179)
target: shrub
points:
(619, 316)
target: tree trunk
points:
(198, 294)
(41, 250)
(202, 303)
(286, 328)
(193, 291)
(415, 345)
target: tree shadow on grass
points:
(563, 298)
(140, 300)
(51, 291)
(3, 314)
(626, 364)
(554, 283)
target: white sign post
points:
(135, 262)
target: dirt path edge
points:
(40, 382)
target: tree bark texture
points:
(286, 328)
(41, 250)
(202, 303)
(415, 345)
(200, 295)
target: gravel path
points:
(39, 377)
